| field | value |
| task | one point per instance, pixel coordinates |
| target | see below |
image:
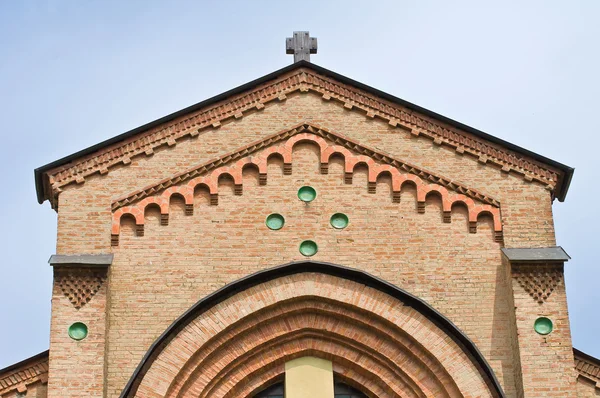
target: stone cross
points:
(301, 45)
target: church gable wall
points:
(526, 206)
(156, 277)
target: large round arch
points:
(235, 342)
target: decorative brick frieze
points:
(302, 80)
(338, 141)
(539, 281)
(18, 377)
(282, 143)
(537, 270)
(80, 285)
(80, 277)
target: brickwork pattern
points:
(81, 285)
(538, 281)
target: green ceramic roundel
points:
(339, 221)
(543, 325)
(275, 221)
(308, 248)
(307, 194)
(78, 331)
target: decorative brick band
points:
(79, 285)
(80, 276)
(374, 340)
(282, 144)
(539, 281)
(302, 80)
(19, 376)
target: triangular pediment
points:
(281, 144)
(302, 77)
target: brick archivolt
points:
(241, 344)
(302, 80)
(207, 175)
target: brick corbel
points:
(537, 270)
(80, 276)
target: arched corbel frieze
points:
(282, 145)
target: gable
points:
(300, 77)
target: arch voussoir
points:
(338, 321)
(328, 347)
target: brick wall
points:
(156, 277)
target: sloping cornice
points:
(300, 77)
(20, 375)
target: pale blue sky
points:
(74, 73)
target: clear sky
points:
(74, 73)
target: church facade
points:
(305, 235)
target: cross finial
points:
(301, 45)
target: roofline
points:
(298, 267)
(562, 192)
(25, 361)
(585, 356)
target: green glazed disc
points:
(307, 194)
(543, 325)
(275, 221)
(339, 221)
(308, 248)
(78, 331)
